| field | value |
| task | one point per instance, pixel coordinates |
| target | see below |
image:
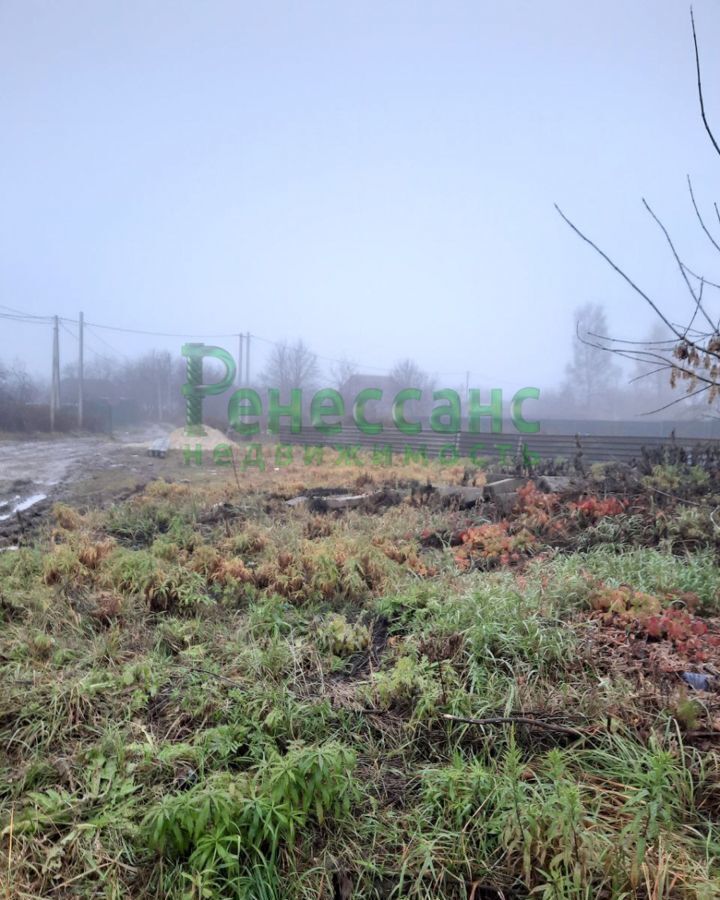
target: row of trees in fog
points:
(17, 390)
(598, 384)
(148, 388)
(595, 385)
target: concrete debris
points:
(324, 501)
(345, 501)
(503, 486)
(159, 448)
(555, 484)
(463, 497)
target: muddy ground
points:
(84, 471)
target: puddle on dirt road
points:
(21, 506)
(46, 463)
(34, 472)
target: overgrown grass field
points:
(207, 693)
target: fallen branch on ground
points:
(517, 720)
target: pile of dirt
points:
(322, 500)
(180, 439)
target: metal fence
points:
(594, 448)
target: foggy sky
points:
(375, 178)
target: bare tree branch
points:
(678, 400)
(649, 356)
(700, 218)
(620, 272)
(679, 333)
(700, 277)
(692, 354)
(649, 374)
(698, 306)
(700, 91)
(696, 298)
(603, 337)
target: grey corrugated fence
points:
(594, 448)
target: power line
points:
(28, 320)
(159, 333)
(167, 334)
(65, 328)
(107, 344)
(98, 353)
(19, 315)
(24, 315)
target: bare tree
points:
(651, 384)
(406, 373)
(151, 384)
(690, 353)
(342, 370)
(291, 366)
(589, 378)
(150, 379)
(4, 385)
(17, 389)
(16, 384)
(104, 368)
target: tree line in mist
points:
(148, 388)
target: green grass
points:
(253, 706)
(650, 570)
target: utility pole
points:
(247, 358)
(467, 396)
(52, 385)
(239, 377)
(81, 369)
(55, 389)
(57, 362)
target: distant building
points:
(376, 409)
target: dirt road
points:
(35, 473)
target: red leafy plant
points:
(622, 605)
(688, 633)
(493, 544)
(537, 511)
(645, 615)
(592, 508)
